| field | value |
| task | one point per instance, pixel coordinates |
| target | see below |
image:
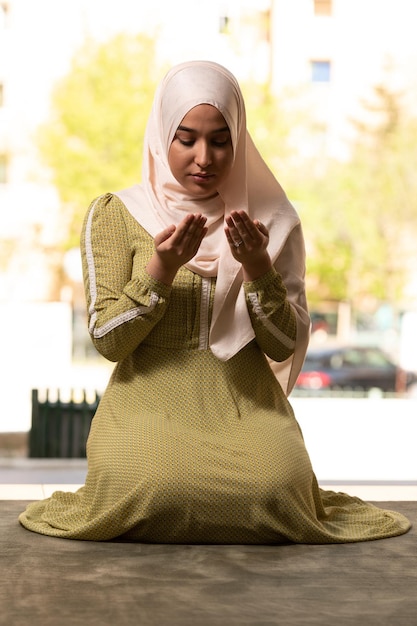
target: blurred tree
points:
(280, 127)
(361, 216)
(269, 126)
(93, 141)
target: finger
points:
(261, 227)
(243, 221)
(197, 224)
(252, 226)
(233, 236)
(244, 228)
(228, 236)
(197, 231)
(236, 244)
(192, 224)
(234, 224)
(255, 230)
(201, 236)
(165, 234)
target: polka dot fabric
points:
(185, 448)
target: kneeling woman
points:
(193, 278)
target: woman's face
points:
(201, 153)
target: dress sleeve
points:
(278, 309)
(124, 302)
(273, 319)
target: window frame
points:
(320, 70)
(323, 8)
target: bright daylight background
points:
(331, 90)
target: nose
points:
(202, 154)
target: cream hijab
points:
(160, 200)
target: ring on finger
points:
(237, 243)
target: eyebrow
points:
(192, 130)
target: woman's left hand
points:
(248, 240)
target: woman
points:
(193, 279)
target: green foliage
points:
(279, 126)
(269, 125)
(361, 216)
(94, 140)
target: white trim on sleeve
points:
(274, 330)
(119, 319)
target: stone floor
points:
(59, 582)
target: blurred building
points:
(333, 51)
(339, 50)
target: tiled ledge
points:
(34, 464)
(32, 492)
(35, 479)
(372, 492)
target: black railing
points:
(60, 427)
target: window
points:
(320, 71)
(3, 168)
(224, 24)
(323, 7)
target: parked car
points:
(352, 368)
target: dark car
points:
(352, 368)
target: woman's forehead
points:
(205, 114)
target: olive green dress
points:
(185, 448)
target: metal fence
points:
(60, 425)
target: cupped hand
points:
(248, 240)
(175, 246)
(179, 245)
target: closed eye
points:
(219, 137)
(184, 142)
(218, 143)
(221, 143)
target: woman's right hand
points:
(175, 246)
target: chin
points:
(198, 192)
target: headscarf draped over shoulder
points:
(161, 201)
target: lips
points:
(202, 176)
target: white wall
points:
(368, 42)
(369, 439)
(36, 348)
